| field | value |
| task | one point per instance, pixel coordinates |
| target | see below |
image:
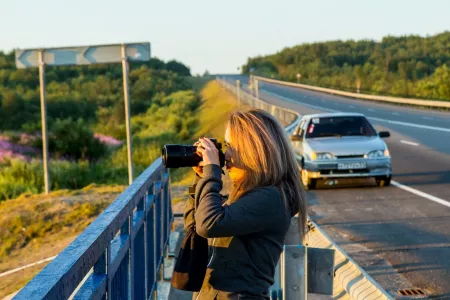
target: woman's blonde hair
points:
(260, 147)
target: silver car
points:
(341, 145)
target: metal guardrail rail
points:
(349, 280)
(119, 255)
(287, 117)
(398, 100)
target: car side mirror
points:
(384, 134)
(296, 138)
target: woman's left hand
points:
(208, 151)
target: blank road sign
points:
(83, 55)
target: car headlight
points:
(321, 156)
(378, 153)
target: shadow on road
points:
(413, 250)
(424, 178)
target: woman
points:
(248, 230)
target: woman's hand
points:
(198, 169)
(208, 151)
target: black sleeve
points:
(253, 212)
(189, 207)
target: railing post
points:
(273, 111)
(295, 264)
(126, 230)
(158, 227)
(275, 289)
(150, 241)
(256, 89)
(169, 205)
(137, 250)
(238, 92)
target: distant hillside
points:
(410, 66)
(93, 93)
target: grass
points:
(34, 227)
(217, 104)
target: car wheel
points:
(308, 183)
(383, 181)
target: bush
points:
(73, 140)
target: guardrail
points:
(303, 269)
(119, 255)
(287, 117)
(349, 278)
(397, 100)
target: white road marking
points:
(427, 118)
(421, 194)
(299, 102)
(351, 106)
(411, 124)
(27, 266)
(370, 109)
(396, 114)
(409, 143)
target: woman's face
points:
(236, 174)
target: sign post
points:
(126, 96)
(44, 121)
(83, 55)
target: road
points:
(399, 234)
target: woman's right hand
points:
(198, 169)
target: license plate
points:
(351, 166)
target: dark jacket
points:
(248, 236)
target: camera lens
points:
(178, 156)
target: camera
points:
(178, 156)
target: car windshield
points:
(339, 126)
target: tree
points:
(178, 68)
(392, 66)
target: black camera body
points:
(179, 156)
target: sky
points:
(217, 36)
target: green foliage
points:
(83, 92)
(409, 66)
(86, 99)
(178, 68)
(171, 119)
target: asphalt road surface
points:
(399, 234)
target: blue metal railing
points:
(119, 255)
